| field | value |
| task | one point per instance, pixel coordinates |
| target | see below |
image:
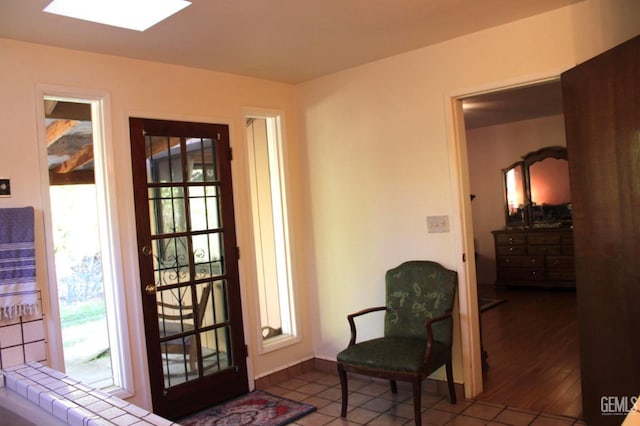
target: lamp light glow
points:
(136, 15)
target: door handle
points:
(150, 289)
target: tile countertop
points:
(17, 410)
(72, 401)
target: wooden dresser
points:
(535, 257)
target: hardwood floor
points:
(533, 351)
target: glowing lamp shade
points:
(131, 14)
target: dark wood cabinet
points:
(535, 257)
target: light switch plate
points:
(437, 224)
(5, 187)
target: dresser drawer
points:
(534, 239)
(510, 250)
(566, 262)
(510, 239)
(521, 274)
(544, 250)
(520, 261)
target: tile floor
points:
(372, 403)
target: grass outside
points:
(86, 342)
(81, 312)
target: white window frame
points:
(105, 175)
(288, 307)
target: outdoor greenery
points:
(83, 316)
(82, 312)
(84, 283)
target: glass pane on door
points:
(188, 257)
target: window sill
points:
(278, 342)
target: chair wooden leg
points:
(417, 401)
(394, 386)
(450, 383)
(193, 353)
(345, 392)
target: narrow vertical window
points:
(271, 231)
(84, 270)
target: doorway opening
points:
(83, 268)
(501, 127)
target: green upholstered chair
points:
(418, 331)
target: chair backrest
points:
(416, 291)
(204, 300)
(177, 311)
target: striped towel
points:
(18, 289)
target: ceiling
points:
(291, 41)
(284, 40)
(514, 104)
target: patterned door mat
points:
(255, 408)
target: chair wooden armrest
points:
(174, 306)
(168, 307)
(352, 324)
(428, 324)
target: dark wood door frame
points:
(225, 382)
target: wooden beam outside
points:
(77, 177)
(49, 106)
(58, 129)
(82, 157)
(160, 145)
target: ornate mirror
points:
(514, 194)
(549, 196)
(537, 192)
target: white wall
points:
(378, 152)
(491, 149)
(150, 90)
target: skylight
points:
(136, 15)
